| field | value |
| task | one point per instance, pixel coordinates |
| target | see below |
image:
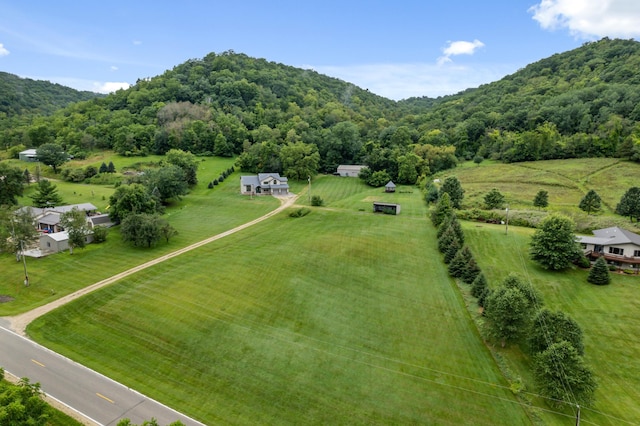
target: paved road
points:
(95, 396)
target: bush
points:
(210, 185)
(301, 212)
(100, 234)
(221, 178)
(317, 201)
(583, 262)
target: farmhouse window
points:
(616, 250)
(636, 253)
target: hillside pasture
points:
(339, 317)
(606, 314)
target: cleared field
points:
(339, 317)
(608, 316)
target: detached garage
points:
(388, 208)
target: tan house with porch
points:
(618, 246)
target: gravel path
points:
(19, 323)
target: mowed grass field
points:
(608, 315)
(202, 213)
(338, 317)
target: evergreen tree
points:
(103, 168)
(46, 195)
(471, 271)
(431, 194)
(599, 273)
(458, 265)
(591, 202)
(444, 225)
(27, 176)
(541, 199)
(451, 251)
(442, 210)
(445, 240)
(451, 186)
(480, 289)
(111, 168)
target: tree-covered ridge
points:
(27, 96)
(580, 103)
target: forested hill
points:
(584, 102)
(26, 96)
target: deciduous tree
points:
(11, 184)
(131, 199)
(507, 313)
(549, 327)
(52, 155)
(76, 225)
(493, 199)
(300, 160)
(554, 245)
(562, 375)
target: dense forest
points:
(580, 103)
(26, 96)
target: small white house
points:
(54, 242)
(349, 170)
(618, 246)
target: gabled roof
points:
(249, 180)
(82, 207)
(611, 236)
(51, 218)
(390, 184)
(263, 176)
(58, 236)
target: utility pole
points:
(578, 415)
(506, 229)
(309, 189)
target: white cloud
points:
(590, 18)
(136, 42)
(113, 68)
(3, 50)
(459, 48)
(109, 86)
(401, 81)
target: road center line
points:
(105, 398)
(36, 362)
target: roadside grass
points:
(338, 317)
(606, 314)
(201, 214)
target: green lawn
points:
(339, 317)
(608, 316)
(201, 214)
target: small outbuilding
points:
(390, 187)
(349, 170)
(28, 155)
(388, 208)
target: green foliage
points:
(554, 245)
(100, 234)
(131, 199)
(431, 193)
(480, 289)
(507, 312)
(591, 202)
(451, 251)
(16, 230)
(299, 160)
(22, 404)
(549, 327)
(599, 273)
(46, 195)
(301, 212)
(471, 271)
(451, 186)
(460, 262)
(187, 162)
(168, 182)
(11, 184)
(317, 201)
(493, 199)
(629, 204)
(562, 375)
(75, 223)
(143, 230)
(541, 199)
(442, 210)
(379, 178)
(52, 155)
(103, 168)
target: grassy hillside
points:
(339, 317)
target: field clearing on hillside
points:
(201, 214)
(608, 316)
(334, 318)
(566, 181)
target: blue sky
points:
(396, 49)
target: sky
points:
(396, 49)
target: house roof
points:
(390, 184)
(28, 152)
(82, 207)
(263, 176)
(58, 236)
(611, 236)
(51, 218)
(350, 167)
(249, 180)
(101, 219)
